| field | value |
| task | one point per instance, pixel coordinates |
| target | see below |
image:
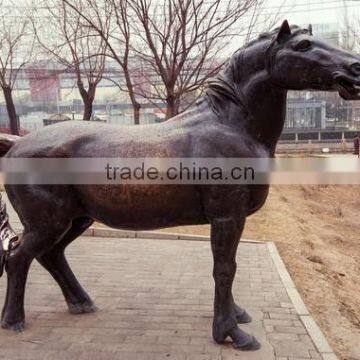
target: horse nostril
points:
(355, 68)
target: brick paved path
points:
(156, 303)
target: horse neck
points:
(266, 106)
(265, 102)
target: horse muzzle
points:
(348, 87)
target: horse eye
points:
(303, 45)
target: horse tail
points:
(7, 142)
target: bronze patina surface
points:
(241, 116)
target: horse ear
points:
(284, 32)
(310, 29)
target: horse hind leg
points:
(43, 229)
(17, 267)
(55, 263)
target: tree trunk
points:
(88, 108)
(136, 106)
(172, 107)
(14, 125)
(88, 97)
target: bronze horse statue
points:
(241, 115)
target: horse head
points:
(252, 88)
(297, 60)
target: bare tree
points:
(16, 48)
(111, 21)
(78, 48)
(261, 20)
(184, 40)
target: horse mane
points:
(224, 86)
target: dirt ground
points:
(317, 231)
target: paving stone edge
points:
(309, 322)
(116, 233)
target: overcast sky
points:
(300, 12)
(303, 12)
(316, 11)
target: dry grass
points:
(316, 229)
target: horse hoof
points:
(82, 308)
(243, 318)
(17, 327)
(251, 345)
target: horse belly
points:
(142, 207)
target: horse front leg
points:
(225, 236)
(242, 317)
